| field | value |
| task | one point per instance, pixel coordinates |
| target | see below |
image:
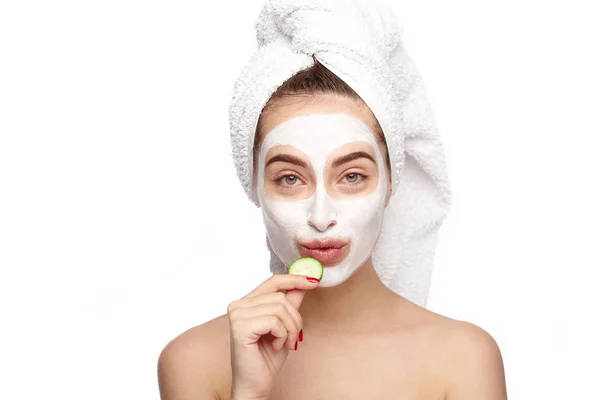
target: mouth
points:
(329, 251)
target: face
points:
(322, 186)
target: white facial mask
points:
(358, 218)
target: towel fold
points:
(359, 41)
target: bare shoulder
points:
(468, 355)
(476, 365)
(195, 364)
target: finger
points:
(271, 309)
(276, 297)
(279, 282)
(295, 297)
(266, 324)
(278, 344)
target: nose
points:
(321, 215)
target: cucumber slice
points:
(307, 266)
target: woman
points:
(322, 175)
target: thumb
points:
(295, 296)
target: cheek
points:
(285, 215)
(361, 214)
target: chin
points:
(336, 275)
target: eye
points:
(288, 180)
(353, 177)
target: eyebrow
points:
(288, 159)
(351, 157)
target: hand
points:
(263, 327)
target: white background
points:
(122, 223)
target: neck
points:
(355, 303)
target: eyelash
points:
(280, 177)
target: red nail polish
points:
(300, 335)
(296, 346)
(311, 279)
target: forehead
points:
(294, 106)
(319, 133)
(319, 138)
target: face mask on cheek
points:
(357, 218)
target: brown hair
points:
(316, 79)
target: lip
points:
(329, 252)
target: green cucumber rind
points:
(307, 266)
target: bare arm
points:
(477, 370)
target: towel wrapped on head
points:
(360, 42)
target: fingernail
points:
(311, 279)
(296, 346)
(300, 335)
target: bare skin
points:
(361, 340)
